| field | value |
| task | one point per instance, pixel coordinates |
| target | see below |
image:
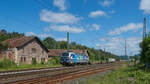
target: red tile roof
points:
(17, 42)
(21, 41)
(58, 52)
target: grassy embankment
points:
(10, 65)
(124, 75)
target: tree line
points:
(51, 43)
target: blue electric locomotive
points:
(71, 58)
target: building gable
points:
(34, 39)
(22, 42)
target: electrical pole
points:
(99, 54)
(68, 41)
(126, 51)
(144, 28)
(104, 55)
(99, 58)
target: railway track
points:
(10, 76)
(52, 75)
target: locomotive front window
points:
(87, 57)
(65, 54)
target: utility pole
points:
(104, 55)
(144, 28)
(99, 58)
(68, 41)
(99, 55)
(126, 51)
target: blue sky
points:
(94, 23)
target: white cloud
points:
(116, 45)
(125, 28)
(61, 39)
(144, 5)
(30, 34)
(104, 39)
(38, 35)
(94, 27)
(98, 45)
(44, 35)
(106, 3)
(53, 17)
(97, 14)
(61, 4)
(65, 28)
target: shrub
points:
(55, 60)
(42, 62)
(5, 63)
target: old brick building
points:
(25, 50)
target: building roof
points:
(58, 52)
(22, 41)
(17, 42)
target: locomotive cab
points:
(67, 58)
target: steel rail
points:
(70, 74)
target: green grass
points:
(29, 66)
(125, 75)
(10, 65)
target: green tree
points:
(62, 44)
(50, 43)
(4, 35)
(145, 51)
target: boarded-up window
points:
(23, 59)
